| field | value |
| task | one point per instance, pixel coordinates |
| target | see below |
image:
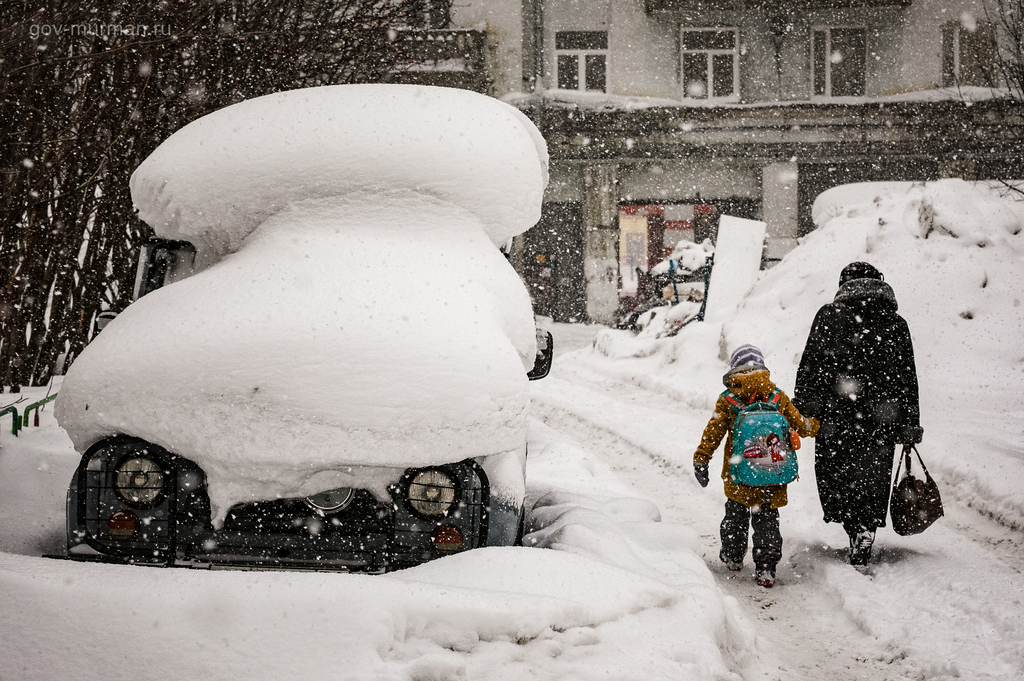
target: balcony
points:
(803, 132)
(446, 57)
(653, 6)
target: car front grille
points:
(290, 532)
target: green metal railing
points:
(35, 406)
(20, 421)
(16, 422)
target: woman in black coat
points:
(857, 376)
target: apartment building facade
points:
(661, 115)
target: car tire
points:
(521, 532)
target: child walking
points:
(748, 381)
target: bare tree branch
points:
(88, 90)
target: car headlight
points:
(139, 481)
(331, 500)
(432, 492)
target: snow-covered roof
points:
(606, 102)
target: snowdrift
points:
(951, 250)
(616, 581)
(367, 324)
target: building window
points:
(582, 60)
(710, 63)
(968, 54)
(430, 13)
(839, 59)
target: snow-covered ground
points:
(620, 577)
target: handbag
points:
(915, 503)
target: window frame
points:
(827, 29)
(954, 77)
(734, 96)
(581, 55)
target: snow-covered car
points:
(326, 364)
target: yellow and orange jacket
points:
(746, 386)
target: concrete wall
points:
(779, 203)
(904, 44)
(682, 180)
(922, 38)
(503, 20)
(565, 183)
(601, 241)
(644, 58)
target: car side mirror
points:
(102, 319)
(545, 352)
(161, 262)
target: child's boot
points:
(765, 577)
(732, 565)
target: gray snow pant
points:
(767, 538)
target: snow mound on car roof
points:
(216, 179)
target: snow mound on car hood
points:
(216, 179)
(334, 349)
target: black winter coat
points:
(857, 376)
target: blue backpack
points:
(762, 453)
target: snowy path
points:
(944, 604)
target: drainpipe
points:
(537, 61)
(538, 45)
(779, 24)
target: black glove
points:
(809, 408)
(910, 435)
(700, 471)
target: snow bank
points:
(579, 505)
(951, 250)
(492, 613)
(216, 179)
(350, 336)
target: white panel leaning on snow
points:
(363, 320)
(737, 263)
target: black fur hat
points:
(859, 270)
